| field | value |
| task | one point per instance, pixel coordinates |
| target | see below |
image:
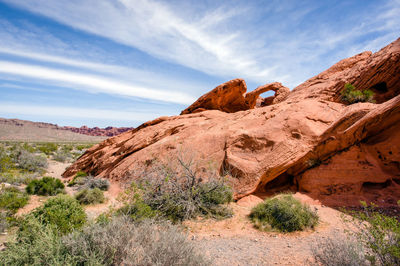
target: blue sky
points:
(123, 62)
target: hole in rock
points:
(373, 185)
(397, 181)
(381, 87)
(282, 183)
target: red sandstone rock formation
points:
(305, 141)
(108, 131)
(231, 97)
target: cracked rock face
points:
(305, 140)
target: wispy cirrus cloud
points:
(15, 108)
(91, 83)
(279, 40)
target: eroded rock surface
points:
(306, 140)
(231, 97)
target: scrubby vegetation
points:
(379, 233)
(62, 212)
(85, 181)
(351, 95)
(119, 242)
(45, 186)
(283, 213)
(90, 196)
(177, 194)
(339, 251)
(11, 199)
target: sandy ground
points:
(233, 241)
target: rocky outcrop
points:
(96, 131)
(304, 141)
(231, 97)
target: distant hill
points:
(95, 131)
(22, 130)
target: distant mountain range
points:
(23, 130)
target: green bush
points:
(350, 95)
(78, 179)
(36, 244)
(5, 160)
(11, 199)
(136, 209)
(179, 194)
(48, 148)
(63, 212)
(283, 213)
(90, 196)
(379, 233)
(45, 186)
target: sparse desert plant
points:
(45, 186)
(5, 160)
(11, 199)
(179, 194)
(3, 221)
(48, 148)
(29, 161)
(61, 156)
(379, 233)
(136, 209)
(283, 213)
(17, 178)
(350, 95)
(100, 183)
(90, 196)
(78, 179)
(339, 251)
(121, 242)
(63, 212)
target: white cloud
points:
(92, 83)
(72, 112)
(225, 42)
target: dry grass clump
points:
(339, 251)
(283, 213)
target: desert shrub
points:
(118, 242)
(121, 242)
(84, 181)
(136, 209)
(179, 194)
(90, 196)
(350, 95)
(45, 186)
(100, 183)
(63, 212)
(11, 199)
(5, 160)
(37, 244)
(3, 221)
(339, 251)
(17, 178)
(283, 213)
(48, 148)
(82, 147)
(61, 156)
(379, 233)
(29, 161)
